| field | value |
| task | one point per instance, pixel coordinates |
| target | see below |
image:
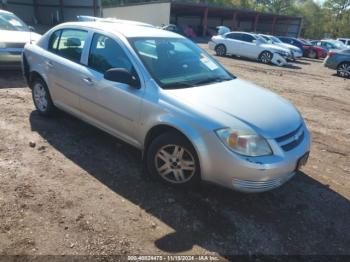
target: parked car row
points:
(251, 46)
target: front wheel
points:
(266, 57)
(173, 160)
(343, 69)
(41, 97)
(312, 54)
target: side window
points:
(234, 36)
(247, 38)
(71, 44)
(105, 53)
(53, 41)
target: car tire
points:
(220, 50)
(42, 98)
(172, 159)
(343, 70)
(265, 57)
(312, 54)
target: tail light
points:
(331, 53)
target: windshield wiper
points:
(178, 85)
(210, 80)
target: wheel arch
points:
(34, 75)
(163, 128)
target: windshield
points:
(275, 39)
(305, 42)
(339, 44)
(12, 23)
(178, 62)
(262, 39)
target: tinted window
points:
(106, 53)
(247, 38)
(53, 42)
(234, 36)
(71, 44)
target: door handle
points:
(49, 64)
(88, 81)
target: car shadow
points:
(298, 61)
(302, 217)
(11, 79)
(289, 65)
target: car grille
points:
(291, 140)
(15, 45)
(260, 186)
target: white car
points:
(296, 51)
(250, 46)
(14, 34)
(346, 41)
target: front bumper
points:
(10, 58)
(297, 54)
(251, 174)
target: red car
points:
(308, 49)
(312, 51)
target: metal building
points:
(51, 12)
(203, 17)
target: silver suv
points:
(161, 93)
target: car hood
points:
(275, 47)
(18, 36)
(292, 47)
(230, 102)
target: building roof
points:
(195, 6)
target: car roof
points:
(5, 12)
(127, 30)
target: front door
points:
(112, 105)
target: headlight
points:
(283, 53)
(243, 142)
(2, 45)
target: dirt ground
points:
(81, 191)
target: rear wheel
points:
(343, 69)
(266, 57)
(173, 160)
(41, 97)
(220, 50)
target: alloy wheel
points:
(344, 70)
(221, 50)
(40, 97)
(266, 57)
(175, 164)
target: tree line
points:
(330, 19)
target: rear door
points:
(63, 67)
(249, 48)
(113, 106)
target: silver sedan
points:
(193, 120)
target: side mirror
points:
(31, 28)
(121, 75)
